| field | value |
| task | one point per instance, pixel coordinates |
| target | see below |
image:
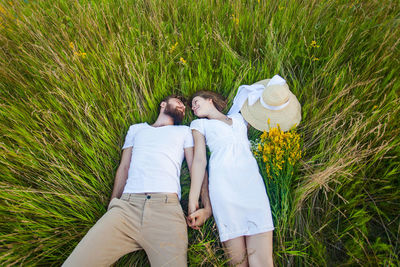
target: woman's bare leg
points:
(236, 251)
(259, 249)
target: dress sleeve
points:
(130, 136)
(242, 119)
(197, 125)
(188, 139)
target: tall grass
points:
(64, 114)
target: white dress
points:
(237, 191)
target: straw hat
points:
(276, 103)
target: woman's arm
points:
(197, 170)
(205, 199)
(197, 218)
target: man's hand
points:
(198, 218)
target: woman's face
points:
(201, 106)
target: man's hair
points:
(181, 98)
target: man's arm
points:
(122, 173)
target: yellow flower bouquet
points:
(278, 154)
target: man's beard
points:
(174, 113)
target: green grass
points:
(64, 117)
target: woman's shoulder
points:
(239, 117)
(199, 125)
(198, 121)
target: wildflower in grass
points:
(374, 107)
(5, 13)
(235, 19)
(173, 47)
(76, 53)
(314, 58)
(280, 7)
(314, 44)
(80, 54)
(182, 60)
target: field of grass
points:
(75, 74)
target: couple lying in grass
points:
(145, 211)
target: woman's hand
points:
(193, 206)
(198, 218)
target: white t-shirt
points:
(157, 157)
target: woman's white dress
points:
(237, 191)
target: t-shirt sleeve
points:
(130, 136)
(197, 125)
(188, 139)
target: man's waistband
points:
(151, 197)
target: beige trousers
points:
(153, 222)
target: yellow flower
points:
(314, 58)
(71, 44)
(279, 151)
(2, 10)
(80, 54)
(173, 47)
(181, 59)
(280, 7)
(314, 44)
(235, 19)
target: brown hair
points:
(181, 98)
(218, 101)
(165, 99)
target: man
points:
(144, 211)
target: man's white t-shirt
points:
(157, 157)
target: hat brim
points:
(257, 115)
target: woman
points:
(237, 193)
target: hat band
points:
(265, 105)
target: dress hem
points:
(226, 237)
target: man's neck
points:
(163, 120)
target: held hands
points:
(197, 217)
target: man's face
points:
(176, 109)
